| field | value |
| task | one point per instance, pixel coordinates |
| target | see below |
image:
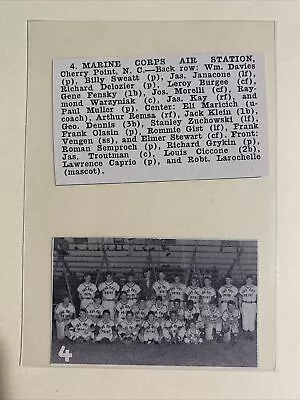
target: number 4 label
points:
(65, 353)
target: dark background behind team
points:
(74, 257)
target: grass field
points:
(242, 354)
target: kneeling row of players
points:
(208, 325)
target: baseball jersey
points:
(151, 327)
(200, 318)
(159, 312)
(190, 314)
(122, 309)
(139, 312)
(109, 290)
(177, 291)
(193, 293)
(81, 325)
(132, 290)
(193, 334)
(212, 316)
(161, 288)
(174, 326)
(207, 293)
(105, 326)
(231, 317)
(64, 312)
(129, 326)
(87, 290)
(94, 311)
(228, 293)
(179, 311)
(248, 293)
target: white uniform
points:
(230, 323)
(173, 330)
(87, 293)
(161, 288)
(122, 309)
(159, 312)
(227, 292)
(128, 329)
(132, 290)
(212, 321)
(200, 323)
(151, 331)
(81, 329)
(109, 292)
(248, 295)
(105, 330)
(65, 314)
(140, 313)
(177, 291)
(191, 314)
(193, 293)
(193, 336)
(94, 311)
(207, 293)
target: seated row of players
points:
(190, 325)
(245, 297)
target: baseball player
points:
(161, 287)
(128, 329)
(177, 290)
(200, 324)
(122, 307)
(109, 290)
(146, 285)
(159, 308)
(213, 321)
(191, 312)
(230, 319)
(193, 291)
(63, 314)
(193, 334)
(207, 292)
(87, 291)
(132, 290)
(248, 300)
(106, 328)
(95, 309)
(178, 308)
(227, 293)
(140, 310)
(81, 328)
(173, 329)
(151, 330)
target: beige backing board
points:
(241, 209)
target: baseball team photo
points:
(152, 301)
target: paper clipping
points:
(161, 118)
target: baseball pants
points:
(83, 335)
(210, 327)
(248, 316)
(168, 335)
(151, 336)
(104, 335)
(60, 329)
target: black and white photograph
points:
(154, 301)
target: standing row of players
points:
(160, 311)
